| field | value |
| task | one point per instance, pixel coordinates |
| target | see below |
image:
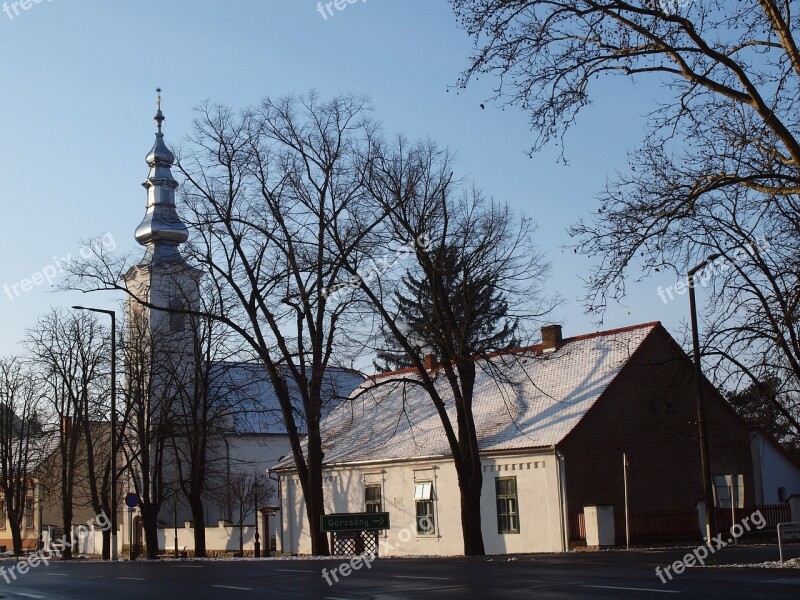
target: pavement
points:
(610, 574)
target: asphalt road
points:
(614, 574)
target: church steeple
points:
(161, 229)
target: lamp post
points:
(257, 543)
(113, 316)
(711, 519)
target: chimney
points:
(430, 362)
(66, 427)
(551, 338)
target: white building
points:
(558, 432)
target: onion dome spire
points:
(161, 229)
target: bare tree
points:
(71, 353)
(147, 427)
(718, 172)
(264, 190)
(21, 442)
(203, 410)
(469, 261)
(244, 487)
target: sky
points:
(79, 79)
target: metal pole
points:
(780, 546)
(711, 524)
(733, 512)
(130, 534)
(257, 544)
(627, 522)
(114, 526)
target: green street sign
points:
(355, 521)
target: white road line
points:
(419, 577)
(133, 578)
(632, 589)
(28, 595)
(295, 571)
(57, 574)
(232, 587)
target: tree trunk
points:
(199, 519)
(16, 535)
(150, 526)
(106, 544)
(67, 523)
(315, 504)
(470, 483)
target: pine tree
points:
(480, 309)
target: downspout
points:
(562, 499)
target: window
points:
(423, 498)
(507, 513)
(29, 512)
(177, 321)
(372, 498)
(2, 514)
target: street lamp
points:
(711, 519)
(257, 543)
(113, 316)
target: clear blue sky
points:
(78, 100)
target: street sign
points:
(790, 531)
(355, 521)
(132, 500)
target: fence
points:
(679, 525)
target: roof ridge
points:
(535, 348)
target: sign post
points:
(355, 521)
(131, 501)
(789, 532)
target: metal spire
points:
(159, 118)
(161, 229)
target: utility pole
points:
(705, 464)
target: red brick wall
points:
(649, 412)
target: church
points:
(247, 436)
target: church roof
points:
(523, 399)
(247, 388)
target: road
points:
(613, 574)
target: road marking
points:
(632, 589)
(419, 577)
(232, 587)
(295, 571)
(133, 578)
(28, 595)
(57, 574)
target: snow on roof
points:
(254, 407)
(536, 400)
